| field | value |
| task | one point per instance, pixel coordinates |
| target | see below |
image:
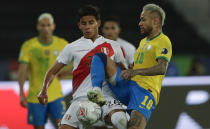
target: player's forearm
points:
(51, 74)
(48, 80)
(159, 69)
(22, 73)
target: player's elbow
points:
(163, 70)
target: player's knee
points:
(88, 112)
(119, 120)
(103, 57)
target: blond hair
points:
(46, 16)
(156, 9)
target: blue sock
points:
(97, 70)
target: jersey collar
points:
(153, 37)
(45, 44)
(99, 37)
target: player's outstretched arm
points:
(56, 67)
(159, 69)
(22, 72)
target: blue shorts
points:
(37, 113)
(133, 96)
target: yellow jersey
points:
(40, 57)
(146, 56)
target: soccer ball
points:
(88, 112)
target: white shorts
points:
(70, 117)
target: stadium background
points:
(187, 25)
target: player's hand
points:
(127, 74)
(23, 101)
(43, 97)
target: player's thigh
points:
(141, 100)
(37, 114)
(57, 109)
(120, 87)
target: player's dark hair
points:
(113, 19)
(89, 10)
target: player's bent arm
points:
(159, 69)
(56, 67)
(22, 73)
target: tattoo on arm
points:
(137, 120)
(159, 69)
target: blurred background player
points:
(111, 29)
(138, 88)
(81, 52)
(36, 56)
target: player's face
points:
(45, 27)
(111, 30)
(89, 26)
(146, 23)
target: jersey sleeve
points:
(131, 55)
(24, 53)
(164, 50)
(119, 57)
(66, 55)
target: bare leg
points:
(137, 121)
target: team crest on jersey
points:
(55, 52)
(47, 52)
(105, 50)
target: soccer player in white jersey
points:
(111, 30)
(81, 52)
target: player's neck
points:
(45, 39)
(154, 34)
(94, 38)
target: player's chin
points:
(88, 35)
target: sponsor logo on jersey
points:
(55, 52)
(149, 47)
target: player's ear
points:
(54, 26)
(99, 23)
(79, 25)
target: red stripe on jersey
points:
(83, 69)
(123, 51)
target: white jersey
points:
(81, 52)
(128, 50)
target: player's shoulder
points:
(60, 39)
(126, 44)
(76, 43)
(29, 42)
(164, 39)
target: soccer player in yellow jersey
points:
(138, 88)
(36, 56)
